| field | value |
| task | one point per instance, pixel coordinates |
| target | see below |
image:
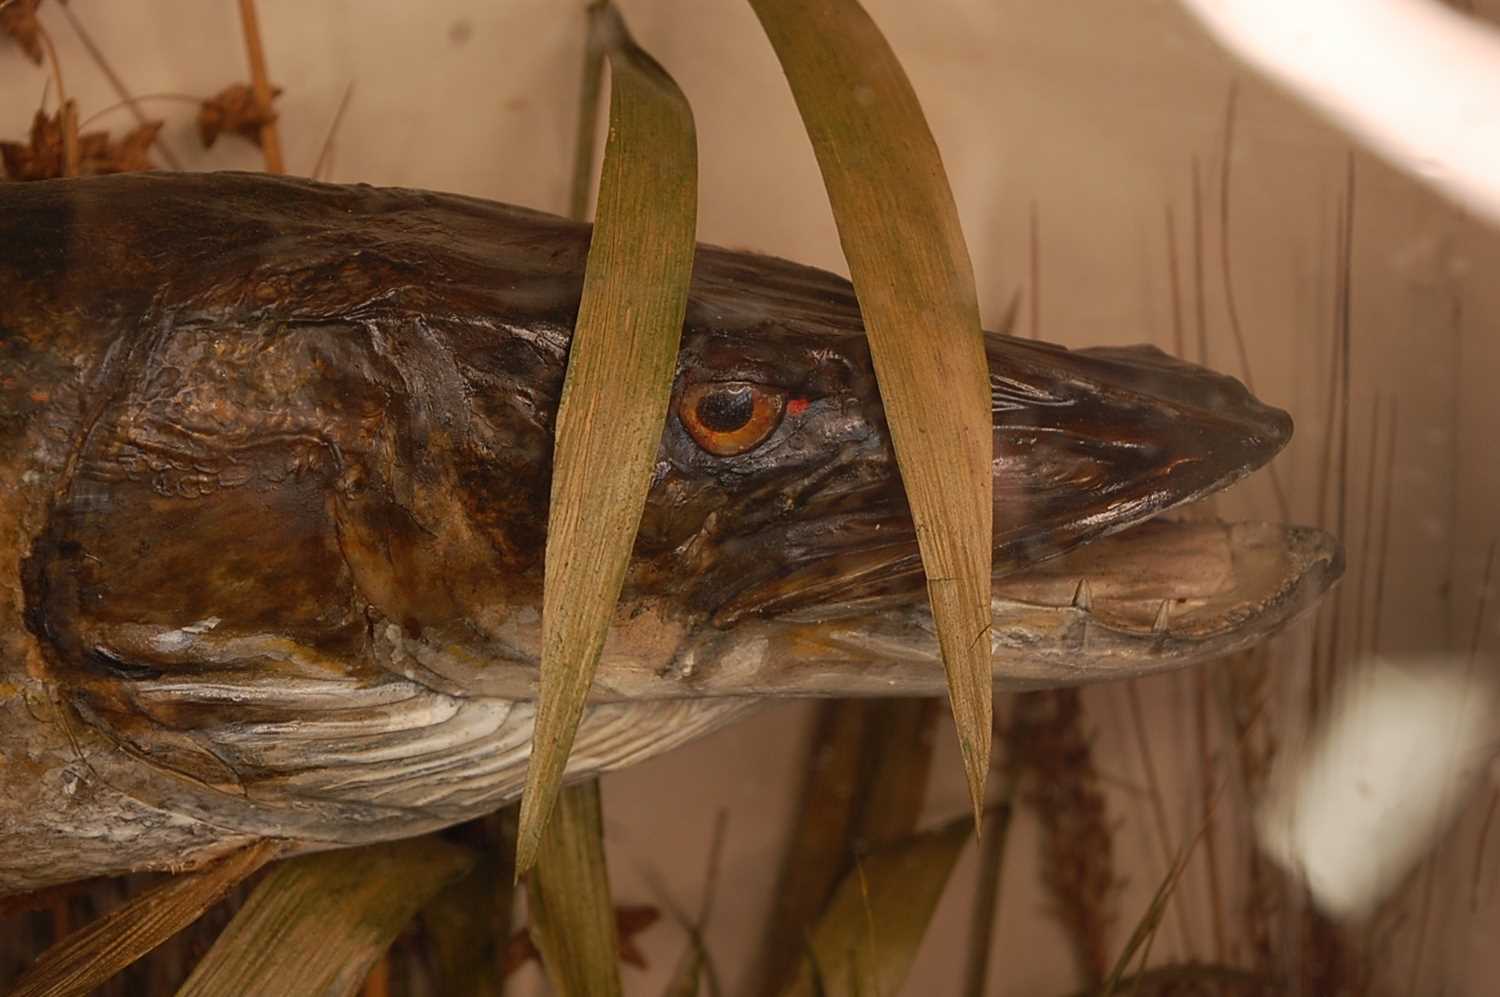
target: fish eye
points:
(728, 418)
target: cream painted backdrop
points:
(1087, 115)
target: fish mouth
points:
(1163, 595)
(1088, 444)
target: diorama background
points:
(1079, 121)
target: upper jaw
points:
(1087, 443)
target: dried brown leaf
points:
(235, 110)
(128, 155)
(44, 157)
(327, 918)
(900, 233)
(615, 395)
(18, 19)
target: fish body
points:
(274, 471)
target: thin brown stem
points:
(1174, 277)
(1231, 305)
(72, 155)
(117, 84)
(270, 137)
(1034, 271)
(1481, 612)
(1385, 530)
(67, 110)
(326, 152)
(1200, 299)
(1331, 392)
(1226, 270)
(1345, 290)
(1158, 807)
(184, 98)
(1475, 887)
(1368, 526)
(1207, 761)
(987, 895)
(585, 143)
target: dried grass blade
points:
(817, 853)
(328, 918)
(88, 957)
(1198, 978)
(692, 967)
(467, 926)
(615, 395)
(900, 233)
(867, 939)
(696, 963)
(898, 753)
(1146, 928)
(572, 918)
(866, 781)
(986, 907)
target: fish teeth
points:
(1083, 596)
(1163, 615)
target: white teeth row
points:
(1083, 601)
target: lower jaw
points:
(1166, 594)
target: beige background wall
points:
(1092, 111)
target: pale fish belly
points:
(342, 763)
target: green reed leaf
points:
(865, 783)
(615, 396)
(316, 924)
(868, 937)
(85, 959)
(899, 229)
(572, 918)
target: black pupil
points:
(727, 409)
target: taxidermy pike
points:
(274, 472)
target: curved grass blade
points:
(1198, 978)
(88, 957)
(696, 962)
(868, 937)
(571, 916)
(615, 396)
(1145, 929)
(316, 924)
(987, 896)
(899, 229)
(866, 779)
(468, 924)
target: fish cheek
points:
(420, 572)
(250, 559)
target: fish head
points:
(279, 492)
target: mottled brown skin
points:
(262, 437)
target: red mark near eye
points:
(797, 406)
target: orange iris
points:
(728, 418)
